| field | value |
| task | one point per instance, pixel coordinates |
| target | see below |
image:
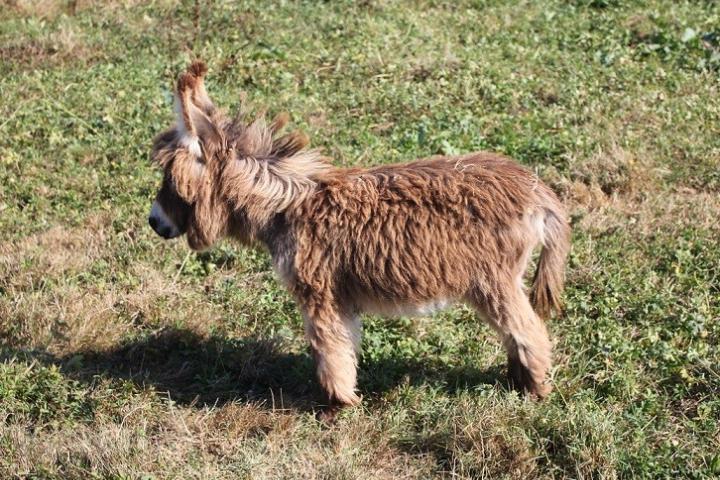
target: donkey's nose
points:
(162, 225)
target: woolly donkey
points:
(396, 239)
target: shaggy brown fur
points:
(395, 239)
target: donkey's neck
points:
(265, 187)
(273, 234)
(278, 238)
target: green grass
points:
(125, 357)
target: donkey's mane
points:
(269, 173)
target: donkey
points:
(398, 239)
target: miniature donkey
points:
(395, 239)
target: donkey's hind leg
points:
(524, 336)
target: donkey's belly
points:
(403, 309)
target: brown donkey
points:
(396, 239)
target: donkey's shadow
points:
(195, 370)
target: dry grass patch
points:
(666, 210)
(62, 45)
(38, 292)
(51, 9)
(234, 441)
(57, 252)
(53, 307)
(617, 189)
(73, 318)
(62, 319)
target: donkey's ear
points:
(194, 124)
(198, 69)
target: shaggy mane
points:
(267, 173)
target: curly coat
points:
(397, 239)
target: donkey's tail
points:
(550, 274)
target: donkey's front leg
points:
(334, 337)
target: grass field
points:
(126, 357)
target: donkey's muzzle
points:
(163, 231)
(160, 222)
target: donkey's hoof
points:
(539, 390)
(522, 380)
(328, 415)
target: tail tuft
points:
(549, 278)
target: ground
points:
(124, 356)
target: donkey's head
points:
(191, 154)
(224, 176)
